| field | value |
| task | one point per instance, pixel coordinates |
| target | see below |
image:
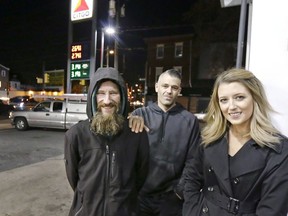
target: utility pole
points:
(93, 42)
(70, 39)
(116, 38)
(102, 48)
(115, 12)
(241, 33)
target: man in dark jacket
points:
(106, 163)
(173, 137)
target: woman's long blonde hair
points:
(261, 128)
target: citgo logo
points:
(81, 9)
(81, 6)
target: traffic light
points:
(46, 78)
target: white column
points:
(267, 55)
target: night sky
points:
(34, 34)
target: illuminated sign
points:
(80, 70)
(80, 51)
(81, 9)
(76, 52)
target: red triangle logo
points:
(81, 6)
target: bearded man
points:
(106, 163)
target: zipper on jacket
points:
(107, 180)
(113, 164)
(80, 209)
(78, 212)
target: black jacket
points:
(257, 177)
(106, 173)
(173, 138)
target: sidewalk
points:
(5, 123)
(3, 117)
(40, 189)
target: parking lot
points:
(32, 172)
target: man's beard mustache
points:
(108, 125)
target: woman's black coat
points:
(258, 177)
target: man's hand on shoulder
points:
(136, 123)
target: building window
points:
(178, 49)
(158, 71)
(160, 51)
(3, 73)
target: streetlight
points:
(109, 31)
(108, 52)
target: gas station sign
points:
(81, 9)
(80, 70)
(80, 51)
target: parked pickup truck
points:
(60, 114)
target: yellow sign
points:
(81, 9)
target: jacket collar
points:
(176, 108)
(218, 158)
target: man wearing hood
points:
(106, 163)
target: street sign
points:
(79, 70)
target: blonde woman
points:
(241, 168)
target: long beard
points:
(108, 125)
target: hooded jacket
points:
(173, 137)
(105, 173)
